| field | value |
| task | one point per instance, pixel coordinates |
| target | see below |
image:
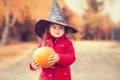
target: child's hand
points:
(35, 65)
(53, 58)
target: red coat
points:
(61, 70)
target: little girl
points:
(54, 33)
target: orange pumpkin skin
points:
(41, 55)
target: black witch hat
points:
(56, 17)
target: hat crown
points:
(55, 14)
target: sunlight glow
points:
(113, 10)
(112, 7)
(77, 6)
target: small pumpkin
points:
(41, 55)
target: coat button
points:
(62, 45)
(65, 74)
(50, 75)
(52, 67)
(63, 64)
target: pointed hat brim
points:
(41, 26)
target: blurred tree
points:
(8, 23)
(96, 25)
(73, 20)
(18, 10)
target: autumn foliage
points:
(20, 16)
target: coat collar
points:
(55, 40)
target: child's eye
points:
(54, 27)
(61, 27)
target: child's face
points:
(57, 30)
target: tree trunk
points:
(7, 26)
(6, 29)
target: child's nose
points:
(57, 29)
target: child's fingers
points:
(37, 64)
(34, 63)
(53, 53)
(51, 57)
(51, 62)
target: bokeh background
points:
(97, 22)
